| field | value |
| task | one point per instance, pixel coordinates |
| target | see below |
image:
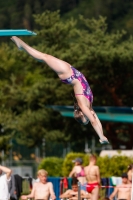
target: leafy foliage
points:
(109, 167)
(28, 86)
(53, 165)
(114, 166)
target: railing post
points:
(79, 187)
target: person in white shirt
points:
(4, 180)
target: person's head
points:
(74, 184)
(124, 178)
(79, 116)
(0, 171)
(130, 167)
(42, 175)
(93, 159)
(78, 161)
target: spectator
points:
(130, 172)
(4, 180)
(41, 189)
(73, 193)
(123, 191)
(93, 178)
(78, 172)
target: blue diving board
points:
(16, 32)
(105, 113)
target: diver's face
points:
(80, 117)
(78, 114)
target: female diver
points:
(83, 111)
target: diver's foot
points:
(104, 140)
(17, 41)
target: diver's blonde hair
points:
(42, 172)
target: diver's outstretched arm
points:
(95, 122)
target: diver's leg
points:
(61, 67)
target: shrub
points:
(114, 166)
(59, 167)
(53, 165)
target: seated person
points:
(123, 191)
(72, 194)
(42, 189)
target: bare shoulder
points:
(96, 167)
(50, 184)
(69, 191)
(36, 184)
(118, 187)
(74, 169)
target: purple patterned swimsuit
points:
(86, 88)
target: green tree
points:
(28, 87)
